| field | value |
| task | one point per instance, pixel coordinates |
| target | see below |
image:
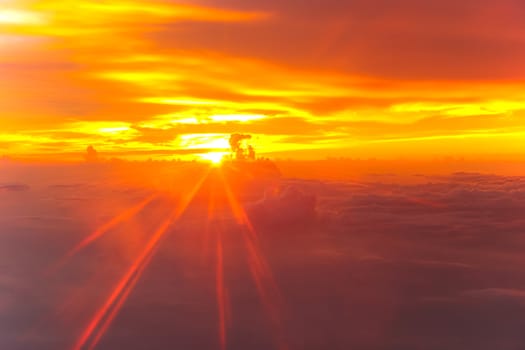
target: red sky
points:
(307, 78)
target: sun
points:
(214, 157)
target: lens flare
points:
(260, 271)
(103, 317)
(99, 232)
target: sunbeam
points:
(120, 288)
(210, 215)
(260, 271)
(221, 294)
(212, 226)
(252, 239)
(99, 232)
(121, 300)
(108, 311)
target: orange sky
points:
(308, 79)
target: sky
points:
(309, 79)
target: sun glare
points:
(213, 157)
(20, 17)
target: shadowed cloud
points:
(436, 258)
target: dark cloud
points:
(14, 187)
(91, 154)
(236, 139)
(286, 207)
(239, 148)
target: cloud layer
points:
(431, 262)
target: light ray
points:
(121, 300)
(119, 294)
(259, 269)
(221, 294)
(99, 232)
(126, 215)
(121, 285)
(237, 209)
(210, 215)
(252, 239)
(223, 307)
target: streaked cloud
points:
(352, 73)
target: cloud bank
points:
(380, 263)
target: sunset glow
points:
(130, 76)
(262, 174)
(213, 157)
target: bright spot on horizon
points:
(213, 157)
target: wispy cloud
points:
(371, 74)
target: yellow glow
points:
(114, 130)
(177, 101)
(464, 109)
(213, 157)
(139, 77)
(176, 11)
(20, 17)
(239, 106)
(65, 18)
(121, 89)
(189, 120)
(97, 127)
(209, 141)
(481, 134)
(216, 118)
(236, 117)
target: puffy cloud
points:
(389, 263)
(284, 208)
(91, 154)
(236, 139)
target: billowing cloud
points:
(91, 154)
(285, 207)
(236, 139)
